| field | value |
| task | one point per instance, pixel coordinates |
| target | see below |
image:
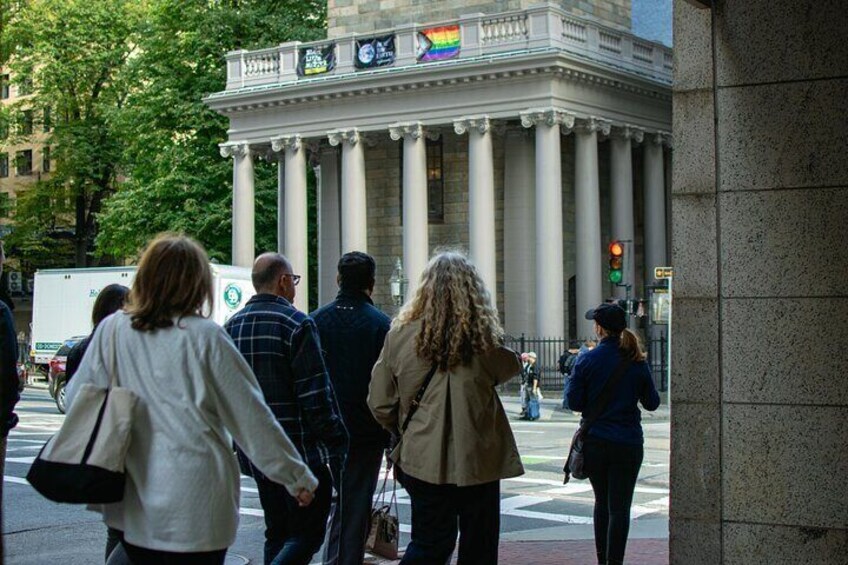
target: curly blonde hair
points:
(457, 317)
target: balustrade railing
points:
(533, 29)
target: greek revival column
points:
(550, 303)
(243, 202)
(295, 214)
(587, 219)
(416, 246)
(354, 203)
(481, 198)
(621, 163)
(655, 218)
(329, 228)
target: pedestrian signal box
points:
(616, 262)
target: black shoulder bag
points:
(575, 464)
(416, 402)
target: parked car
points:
(56, 379)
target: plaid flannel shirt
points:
(282, 346)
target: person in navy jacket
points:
(613, 449)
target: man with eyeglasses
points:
(282, 346)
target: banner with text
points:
(316, 60)
(374, 52)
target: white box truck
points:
(63, 299)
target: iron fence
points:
(548, 351)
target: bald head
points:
(267, 270)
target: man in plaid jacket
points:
(282, 346)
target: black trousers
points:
(142, 556)
(613, 469)
(438, 511)
(351, 509)
(292, 533)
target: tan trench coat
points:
(460, 434)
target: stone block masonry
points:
(362, 16)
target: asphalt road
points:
(535, 506)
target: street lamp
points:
(398, 283)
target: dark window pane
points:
(45, 159)
(5, 91)
(24, 162)
(4, 165)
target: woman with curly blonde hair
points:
(434, 388)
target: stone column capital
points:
(291, 142)
(398, 131)
(547, 116)
(351, 136)
(234, 149)
(468, 123)
(628, 132)
(593, 124)
(661, 138)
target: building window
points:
(4, 165)
(5, 88)
(25, 86)
(23, 163)
(4, 129)
(26, 121)
(45, 159)
(5, 204)
(47, 120)
(435, 181)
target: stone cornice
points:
(421, 77)
(481, 124)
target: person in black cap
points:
(613, 447)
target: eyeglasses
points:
(295, 278)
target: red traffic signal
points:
(616, 262)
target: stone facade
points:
(362, 16)
(760, 418)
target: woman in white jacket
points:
(195, 392)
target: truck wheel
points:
(60, 395)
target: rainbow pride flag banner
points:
(438, 43)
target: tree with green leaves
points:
(175, 177)
(75, 54)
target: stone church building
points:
(530, 135)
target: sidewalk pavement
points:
(552, 410)
(574, 552)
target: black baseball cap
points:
(611, 317)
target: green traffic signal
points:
(615, 276)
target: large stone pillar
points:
(655, 217)
(623, 229)
(481, 198)
(519, 243)
(550, 302)
(295, 212)
(587, 219)
(416, 246)
(329, 227)
(244, 202)
(353, 199)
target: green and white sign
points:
(232, 296)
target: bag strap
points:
(606, 395)
(113, 373)
(416, 402)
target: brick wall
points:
(360, 16)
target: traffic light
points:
(616, 262)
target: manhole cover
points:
(235, 559)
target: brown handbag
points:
(384, 531)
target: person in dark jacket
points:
(8, 378)
(352, 332)
(282, 346)
(613, 449)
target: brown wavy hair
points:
(457, 317)
(173, 281)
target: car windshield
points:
(66, 347)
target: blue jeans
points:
(292, 533)
(438, 511)
(613, 469)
